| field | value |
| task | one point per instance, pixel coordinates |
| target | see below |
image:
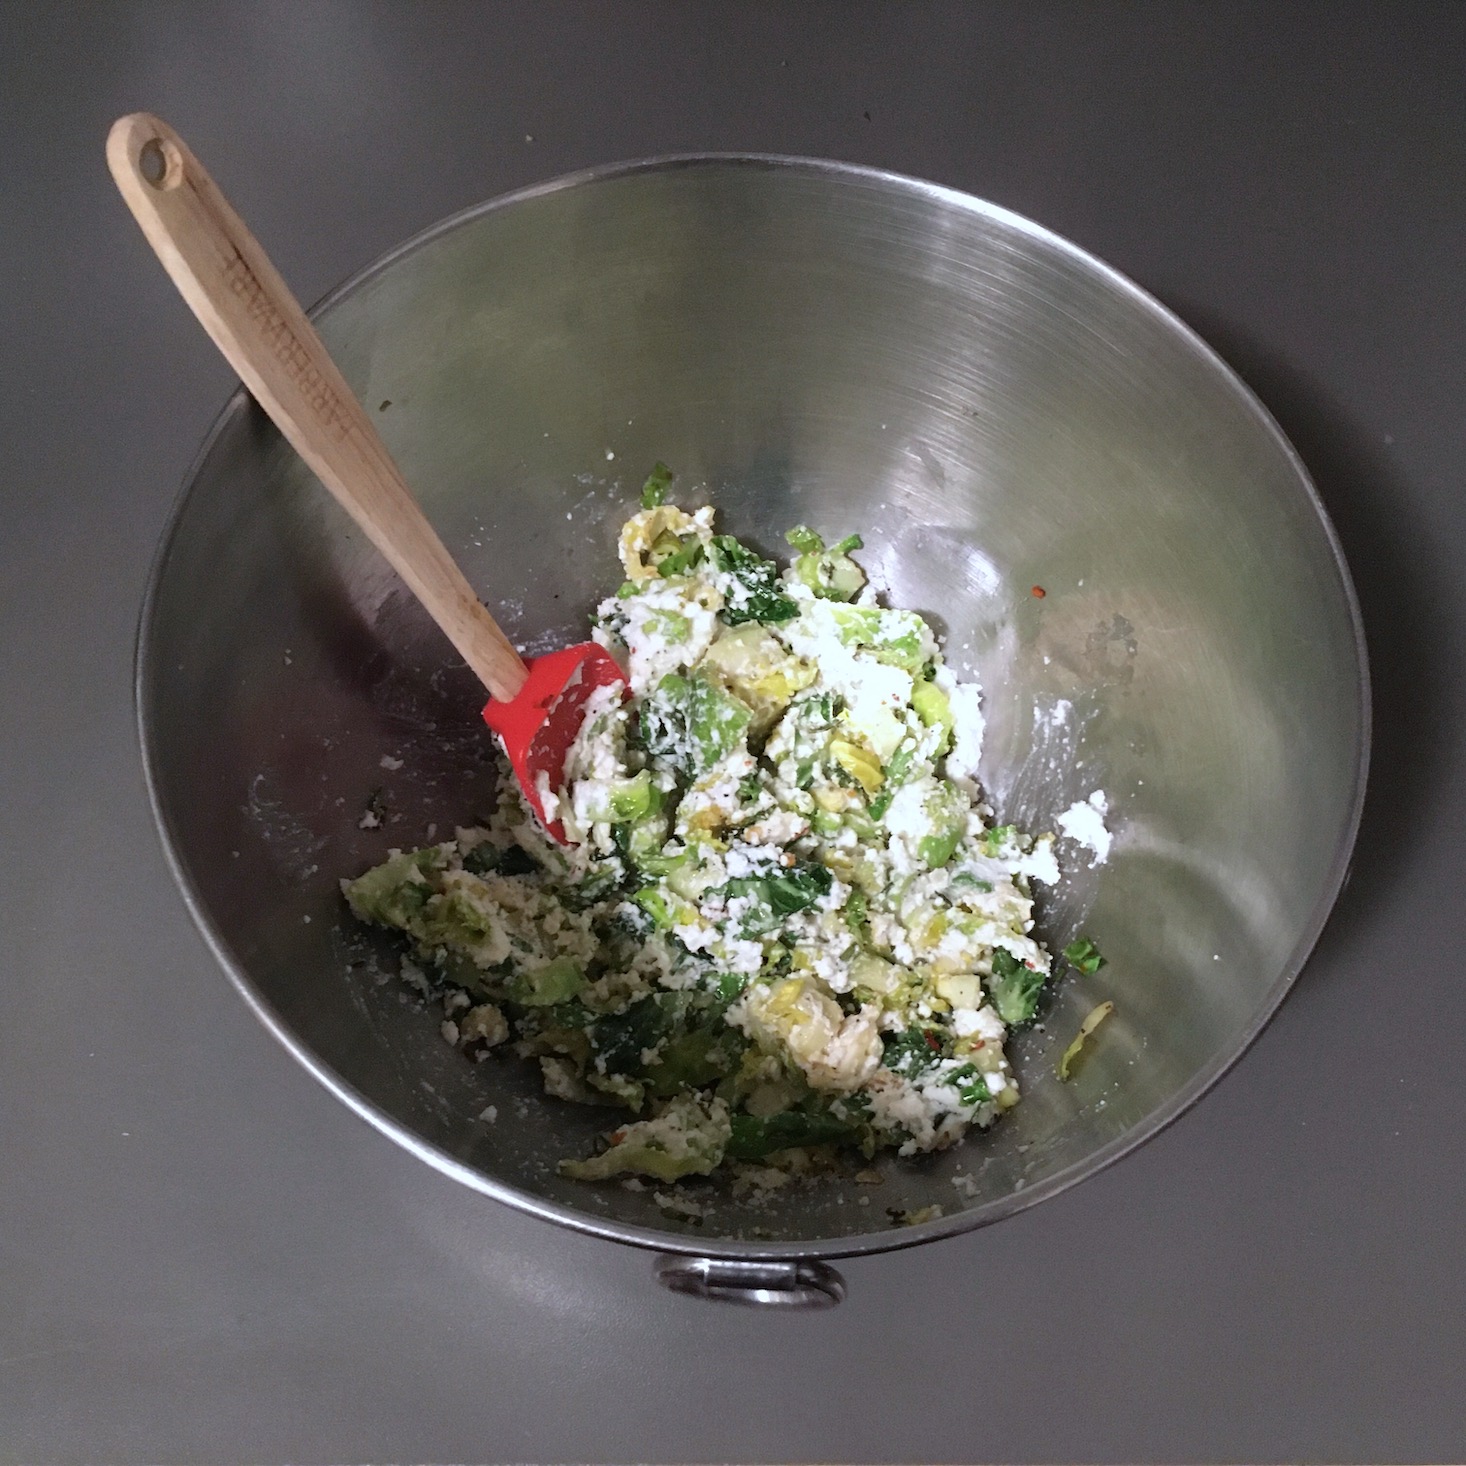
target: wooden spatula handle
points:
(238, 295)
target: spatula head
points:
(541, 722)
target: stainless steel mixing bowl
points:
(994, 410)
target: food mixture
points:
(784, 924)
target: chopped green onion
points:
(654, 490)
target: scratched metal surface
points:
(204, 1256)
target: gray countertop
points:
(203, 1256)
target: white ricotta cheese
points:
(982, 1023)
(968, 728)
(1084, 823)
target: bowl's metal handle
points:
(753, 1284)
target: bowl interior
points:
(992, 410)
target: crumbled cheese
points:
(485, 1024)
(665, 628)
(874, 692)
(1084, 823)
(677, 1205)
(781, 827)
(969, 727)
(1040, 864)
(982, 1023)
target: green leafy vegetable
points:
(656, 904)
(654, 490)
(687, 1139)
(692, 723)
(690, 1061)
(777, 896)
(753, 1138)
(442, 910)
(896, 771)
(804, 735)
(394, 892)
(505, 860)
(972, 1087)
(555, 982)
(1083, 954)
(453, 919)
(900, 638)
(912, 1050)
(641, 843)
(756, 594)
(934, 708)
(946, 812)
(595, 885)
(965, 878)
(680, 560)
(1014, 988)
(618, 1040)
(730, 984)
(830, 574)
(635, 798)
(936, 850)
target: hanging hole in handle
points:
(160, 164)
(784, 1285)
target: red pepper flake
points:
(1039, 592)
(932, 1041)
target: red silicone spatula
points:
(238, 295)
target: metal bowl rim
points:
(678, 1242)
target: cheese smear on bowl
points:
(784, 923)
